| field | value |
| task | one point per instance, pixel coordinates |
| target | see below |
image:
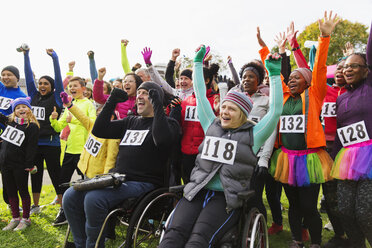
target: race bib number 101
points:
(353, 134)
(134, 137)
(292, 124)
(219, 150)
(92, 146)
(13, 135)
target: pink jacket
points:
(101, 98)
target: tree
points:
(216, 58)
(356, 33)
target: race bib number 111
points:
(219, 150)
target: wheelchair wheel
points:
(255, 231)
(148, 219)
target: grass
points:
(43, 234)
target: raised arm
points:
(319, 80)
(104, 127)
(124, 57)
(92, 66)
(234, 74)
(58, 84)
(98, 94)
(30, 82)
(297, 53)
(169, 72)
(268, 123)
(79, 115)
(203, 107)
(281, 41)
(69, 74)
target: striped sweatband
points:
(240, 99)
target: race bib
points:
(292, 124)
(191, 114)
(134, 137)
(219, 150)
(13, 135)
(255, 118)
(92, 146)
(329, 109)
(5, 102)
(39, 112)
(353, 134)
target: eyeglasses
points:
(353, 66)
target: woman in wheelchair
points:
(143, 154)
(225, 163)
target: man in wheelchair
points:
(143, 153)
(225, 163)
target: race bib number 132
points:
(219, 150)
(134, 137)
(353, 134)
(292, 124)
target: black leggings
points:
(16, 180)
(355, 205)
(273, 194)
(303, 204)
(69, 165)
(51, 155)
(200, 222)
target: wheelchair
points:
(144, 218)
(250, 232)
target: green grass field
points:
(42, 234)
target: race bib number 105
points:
(219, 150)
(92, 146)
(292, 124)
(353, 134)
(13, 135)
(5, 102)
(134, 137)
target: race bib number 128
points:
(292, 124)
(219, 150)
(13, 135)
(134, 137)
(353, 134)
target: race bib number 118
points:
(219, 150)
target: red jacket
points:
(193, 133)
(330, 124)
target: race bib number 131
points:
(219, 150)
(134, 137)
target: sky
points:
(72, 28)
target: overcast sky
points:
(72, 27)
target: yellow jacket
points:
(105, 160)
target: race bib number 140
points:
(353, 134)
(134, 137)
(219, 150)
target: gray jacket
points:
(234, 178)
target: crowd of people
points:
(267, 127)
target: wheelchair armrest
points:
(176, 189)
(246, 195)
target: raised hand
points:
(291, 35)
(207, 56)
(90, 54)
(146, 53)
(222, 79)
(54, 114)
(349, 49)
(175, 53)
(200, 52)
(329, 23)
(69, 118)
(273, 64)
(259, 39)
(64, 98)
(101, 73)
(281, 40)
(154, 97)
(176, 102)
(118, 95)
(49, 51)
(125, 42)
(229, 59)
(71, 66)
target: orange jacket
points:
(314, 135)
